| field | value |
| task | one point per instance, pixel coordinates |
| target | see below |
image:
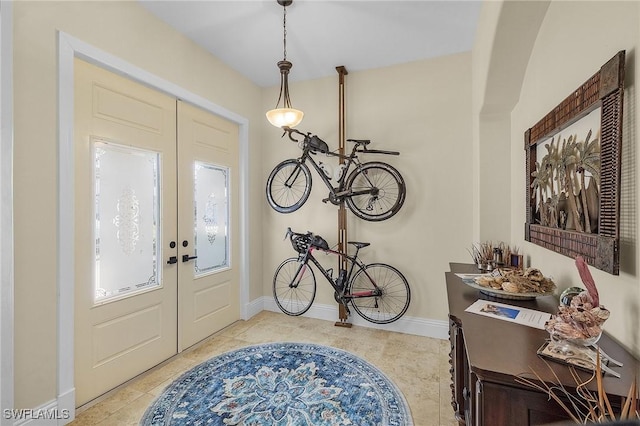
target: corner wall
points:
(572, 40)
(575, 40)
(423, 110)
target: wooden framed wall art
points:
(573, 171)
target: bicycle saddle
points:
(360, 141)
(359, 244)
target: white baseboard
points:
(57, 412)
(410, 325)
(255, 307)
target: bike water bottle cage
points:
(317, 144)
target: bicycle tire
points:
(388, 198)
(395, 298)
(298, 299)
(287, 197)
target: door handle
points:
(172, 260)
(186, 257)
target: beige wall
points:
(427, 128)
(423, 110)
(573, 41)
(129, 32)
(583, 36)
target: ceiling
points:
(247, 35)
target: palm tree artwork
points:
(566, 181)
(588, 166)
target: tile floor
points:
(419, 366)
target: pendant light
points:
(284, 116)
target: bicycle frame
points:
(342, 292)
(339, 192)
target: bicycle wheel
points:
(288, 186)
(294, 287)
(395, 295)
(383, 191)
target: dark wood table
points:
(487, 354)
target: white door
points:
(125, 183)
(208, 214)
(157, 228)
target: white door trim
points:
(68, 48)
(6, 208)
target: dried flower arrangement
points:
(585, 406)
(484, 254)
(481, 253)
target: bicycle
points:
(379, 293)
(373, 191)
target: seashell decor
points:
(583, 318)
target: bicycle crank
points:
(333, 198)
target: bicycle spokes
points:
(293, 177)
(288, 186)
(380, 293)
(377, 191)
(299, 276)
(294, 287)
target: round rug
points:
(281, 384)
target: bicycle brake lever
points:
(287, 234)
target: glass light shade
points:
(281, 117)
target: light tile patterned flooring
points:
(419, 366)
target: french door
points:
(208, 293)
(155, 194)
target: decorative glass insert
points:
(127, 218)
(211, 208)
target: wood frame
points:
(605, 90)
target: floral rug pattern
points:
(280, 384)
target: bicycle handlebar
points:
(290, 234)
(289, 130)
(303, 242)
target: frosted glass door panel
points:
(127, 220)
(211, 217)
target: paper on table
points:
(523, 316)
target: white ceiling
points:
(321, 34)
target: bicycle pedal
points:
(325, 200)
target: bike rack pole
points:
(342, 211)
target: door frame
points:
(69, 48)
(6, 207)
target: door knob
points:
(186, 257)
(172, 260)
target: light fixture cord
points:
(284, 32)
(284, 66)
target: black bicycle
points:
(379, 293)
(373, 190)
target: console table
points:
(487, 354)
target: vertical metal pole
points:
(342, 211)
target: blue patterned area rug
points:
(281, 384)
